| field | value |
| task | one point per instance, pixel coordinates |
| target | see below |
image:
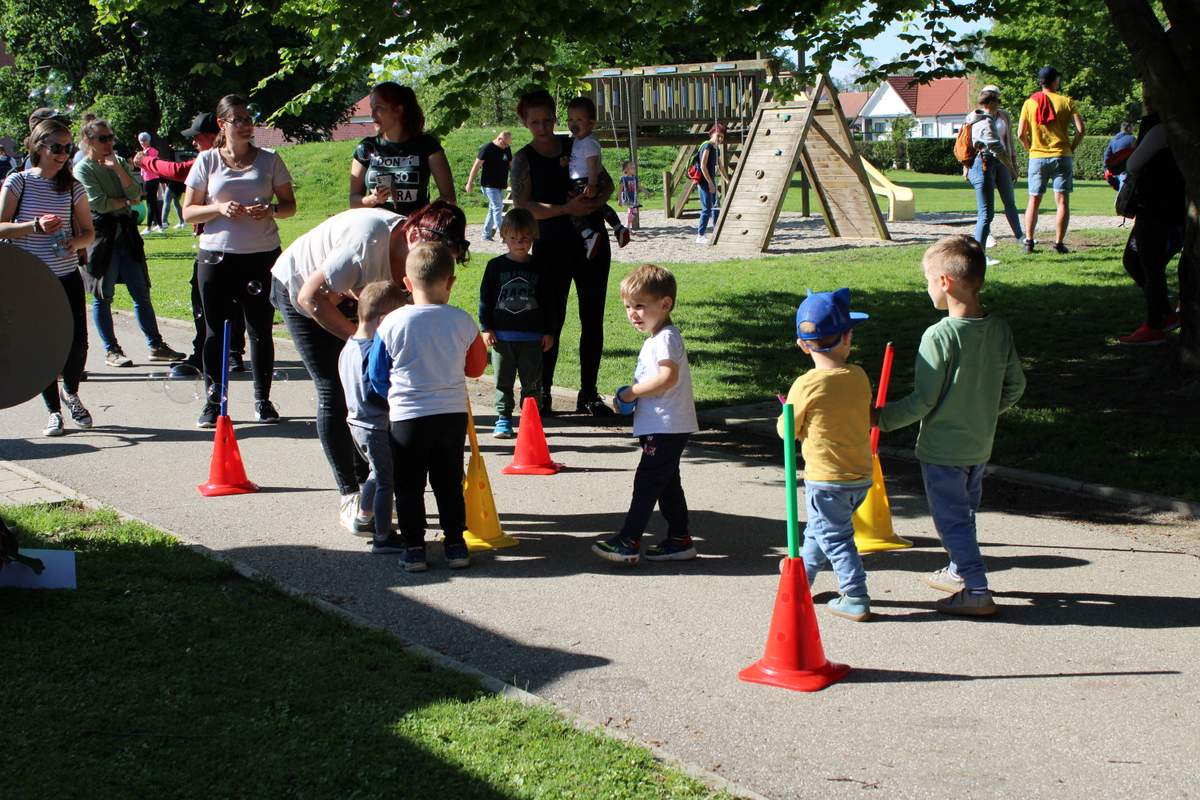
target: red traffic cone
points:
(226, 474)
(532, 456)
(794, 658)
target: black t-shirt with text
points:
(405, 164)
(495, 165)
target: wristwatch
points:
(37, 225)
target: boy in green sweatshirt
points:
(967, 373)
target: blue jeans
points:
(984, 181)
(1004, 185)
(491, 223)
(133, 275)
(708, 208)
(376, 491)
(829, 534)
(953, 494)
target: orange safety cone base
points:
(549, 468)
(873, 531)
(226, 473)
(794, 658)
(532, 454)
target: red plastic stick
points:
(885, 376)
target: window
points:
(927, 130)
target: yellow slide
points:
(902, 206)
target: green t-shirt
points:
(967, 373)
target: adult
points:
(994, 167)
(41, 115)
(151, 185)
(119, 255)
(202, 133)
(540, 183)
(314, 285)
(494, 158)
(1118, 149)
(1160, 209)
(237, 190)
(392, 168)
(708, 161)
(6, 162)
(44, 211)
(1045, 130)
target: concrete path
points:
(1083, 687)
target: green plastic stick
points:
(789, 466)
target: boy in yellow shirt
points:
(832, 405)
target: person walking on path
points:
(237, 190)
(540, 183)
(151, 184)
(119, 256)
(44, 211)
(994, 167)
(494, 159)
(1045, 130)
(392, 169)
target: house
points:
(358, 126)
(938, 107)
(852, 104)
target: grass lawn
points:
(168, 675)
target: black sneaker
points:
(208, 415)
(1029, 246)
(1061, 248)
(392, 544)
(547, 409)
(264, 411)
(594, 407)
(236, 363)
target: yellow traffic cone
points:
(483, 525)
(873, 519)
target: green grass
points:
(167, 675)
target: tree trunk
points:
(1168, 61)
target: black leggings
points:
(238, 284)
(72, 370)
(1151, 246)
(237, 336)
(430, 447)
(591, 289)
(153, 204)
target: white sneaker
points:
(349, 518)
(991, 242)
(54, 425)
(78, 413)
(701, 240)
(181, 225)
(991, 262)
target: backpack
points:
(964, 147)
(694, 172)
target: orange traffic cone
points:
(483, 525)
(226, 473)
(532, 456)
(794, 657)
(873, 531)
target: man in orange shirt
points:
(1044, 129)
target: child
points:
(832, 406)
(515, 307)
(663, 419)
(418, 360)
(588, 175)
(631, 192)
(967, 373)
(368, 416)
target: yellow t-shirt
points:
(833, 420)
(1053, 139)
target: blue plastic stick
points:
(225, 373)
(789, 467)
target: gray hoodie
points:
(983, 131)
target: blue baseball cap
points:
(826, 314)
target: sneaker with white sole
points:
(208, 415)
(967, 604)
(991, 262)
(163, 353)
(457, 556)
(701, 239)
(671, 550)
(54, 425)
(618, 549)
(944, 581)
(265, 411)
(78, 413)
(117, 358)
(413, 560)
(503, 429)
(351, 519)
(394, 543)
(848, 607)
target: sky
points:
(887, 45)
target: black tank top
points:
(548, 183)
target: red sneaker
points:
(1144, 335)
(1171, 322)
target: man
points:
(494, 157)
(203, 134)
(1044, 129)
(1116, 153)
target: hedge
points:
(937, 156)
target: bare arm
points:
(593, 165)
(358, 191)
(1078, 132)
(284, 208)
(471, 177)
(8, 211)
(196, 210)
(1024, 134)
(667, 377)
(322, 305)
(84, 233)
(440, 168)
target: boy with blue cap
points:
(832, 405)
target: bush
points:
(881, 153)
(937, 156)
(1088, 163)
(933, 155)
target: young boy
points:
(588, 174)
(515, 306)
(631, 192)
(663, 419)
(967, 373)
(368, 416)
(832, 406)
(420, 355)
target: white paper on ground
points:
(58, 574)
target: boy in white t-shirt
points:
(664, 416)
(588, 174)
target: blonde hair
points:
(519, 220)
(649, 279)
(957, 257)
(379, 299)
(429, 263)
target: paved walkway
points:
(1083, 687)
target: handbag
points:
(1126, 202)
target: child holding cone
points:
(831, 404)
(419, 358)
(664, 416)
(967, 374)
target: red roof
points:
(944, 96)
(852, 103)
(362, 108)
(904, 86)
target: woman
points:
(540, 182)
(708, 160)
(237, 190)
(994, 166)
(315, 283)
(391, 169)
(119, 256)
(151, 185)
(44, 211)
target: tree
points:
(902, 129)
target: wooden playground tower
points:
(637, 103)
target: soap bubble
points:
(210, 258)
(140, 29)
(401, 9)
(183, 385)
(280, 376)
(254, 288)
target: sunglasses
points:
(240, 122)
(59, 149)
(105, 139)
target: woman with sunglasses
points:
(237, 190)
(119, 256)
(44, 211)
(316, 281)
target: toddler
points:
(588, 174)
(631, 191)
